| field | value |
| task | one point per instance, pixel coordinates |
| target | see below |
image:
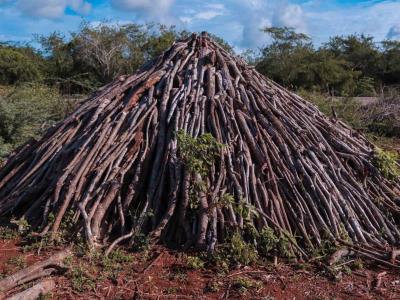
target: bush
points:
(15, 67)
(26, 112)
(346, 109)
(387, 164)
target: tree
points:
(97, 54)
(332, 75)
(362, 56)
(62, 67)
(391, 62)
(26, 111)
(359, 50)
(346, 66)
(18, 64)
(292, 61)
(284, 60)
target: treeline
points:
(354, 65)
(86, 59)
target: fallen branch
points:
(338, 255)
(54, 264)
(40, 289)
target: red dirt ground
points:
(165, 275)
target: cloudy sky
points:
(238, 21)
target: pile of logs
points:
(115, 163)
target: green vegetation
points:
(7, 233)
(194, 262)
(17, 262)
(268, 241)
(198, 154)
(234, 251)
(80, 279)
(353, 65)
(26, 111)
(92, 266)
(387, 163)
(243, 284)
(19, 64)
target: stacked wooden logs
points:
(115, 162)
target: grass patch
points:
(7, 233)
(243, 284)
(80, 280)
(195, 263)
(18, 262)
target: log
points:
(54, 264)
(42, 288)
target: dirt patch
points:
(165, 274)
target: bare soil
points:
(164, 274)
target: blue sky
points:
(238, 21)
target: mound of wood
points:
(196, 145)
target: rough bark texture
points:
(33, 293)
(50, 266)
(308, 176)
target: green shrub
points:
(80, 279)
(235, 251)
(241, 251)
(387, 164)
(26, 112)
(16, 66)
(194, 262)
(242, 284)
(267, 242)
(346, 109)
(7, 233)
(198, 154)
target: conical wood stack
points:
(116, 162)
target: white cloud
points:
(142, 4)
(208, 15)
(291, 16)
(186, 20)
(238, 21)
(201, 12)
(153, 9)
(371, 18)
(51, 8)
(218, 6)
(394, 32)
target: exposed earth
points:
(166, 274)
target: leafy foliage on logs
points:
(198, 154)
(234, 251)
(7, 233)
(268, 241)
(388, 163)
